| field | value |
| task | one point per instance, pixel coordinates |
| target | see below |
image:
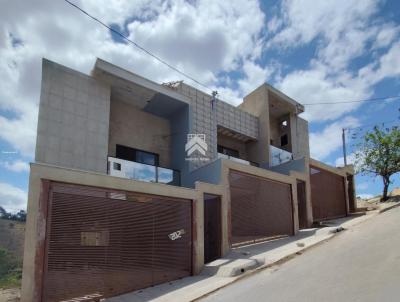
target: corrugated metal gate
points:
(102, 243)
(327, 194)
(260, 208)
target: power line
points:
(358, 101)
(190, 77)
(372, 125)
(137, 45)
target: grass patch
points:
(10, 270)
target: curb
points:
(269, 265)
(389, 207)
(290, 256)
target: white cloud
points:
(205, 39)
(16, 166)
(314, 86)
(12, 199)
(387, 66)
(202, 38)
(323, 143)
(362, 186)
(386, 36)
(20, 132)
(342, 30)
(336, 24)
(350, 158)
(255, 75)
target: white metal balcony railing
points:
(138, 171)
(279, 156)
(239, 160)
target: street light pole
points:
(344, 146)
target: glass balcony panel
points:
(168, 176)
(138, 171)
(279, 156)
(238, 160)
(142, 172)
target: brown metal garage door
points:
(327, 194)
(102, 243)
(260, 208)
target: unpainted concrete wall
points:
(73, 119)
(300, 138)
(232, 143)
(179, 130)
(256, 103)
(135, 128)
(209, 173)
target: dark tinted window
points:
(228, 151)
(126, 153)
(139, 156)
(284, 140)
(146, 158)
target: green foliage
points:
(20, 216)
(10, 270)
(379, 154)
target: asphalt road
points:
(360, 264)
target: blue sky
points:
(314, 51)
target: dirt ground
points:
(375, 203)
(10, 295)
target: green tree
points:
(379, 154)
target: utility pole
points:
(344, 145)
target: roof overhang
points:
(295, 106)
(139, 91)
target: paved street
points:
(361, 264)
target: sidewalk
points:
(241, 262)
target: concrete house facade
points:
(136, 183)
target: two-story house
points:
(137, 183)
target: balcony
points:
(238, 160)
(279, 156)
(138, 171)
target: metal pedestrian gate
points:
(328, 194)
(260, 208)
(102, 243)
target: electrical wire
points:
(192, 78)
(373, 125)
(136, 45)
(358, 101)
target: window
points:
(146, 158)
(136, 155)
(117, 166)
(228, 151)
(284, 140)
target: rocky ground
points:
(10, 295)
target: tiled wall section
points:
(205, 118)
(73, 120)
(237, 120)
(202, 120)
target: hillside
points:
(12, 234)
